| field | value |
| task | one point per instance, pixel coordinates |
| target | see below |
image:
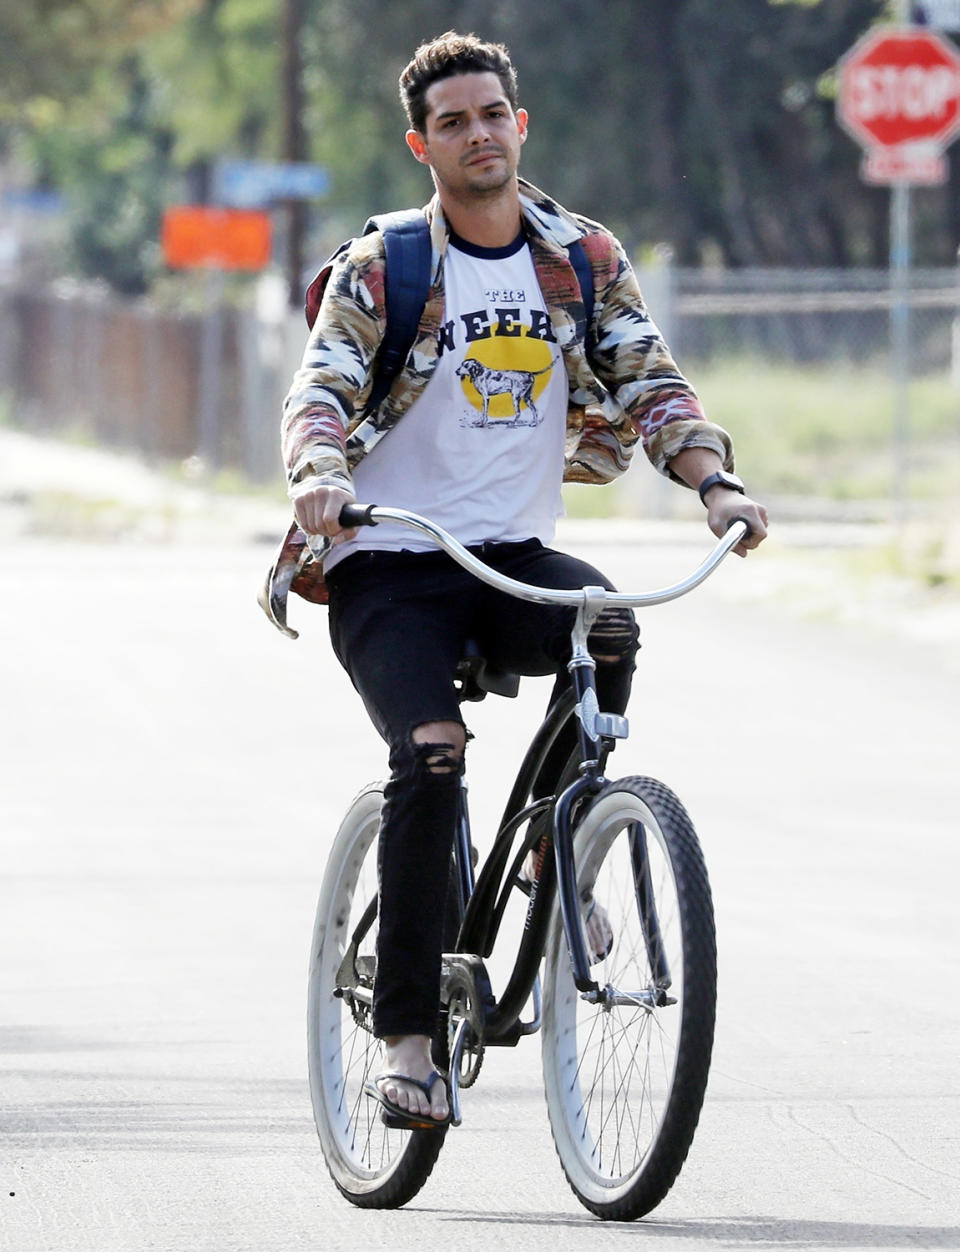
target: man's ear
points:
(418, 146)
(522, 118)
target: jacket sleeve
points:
(632, 360)
(334, 377)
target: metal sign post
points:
(900, 262)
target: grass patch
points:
(828, 431)
(924, 553)
(95, 518)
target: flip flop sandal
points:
(397, 1118)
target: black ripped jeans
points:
(399, 622)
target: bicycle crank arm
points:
(456, 1057)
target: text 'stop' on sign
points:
(900, 87)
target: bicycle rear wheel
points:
(372, 1165)
(625, 1078)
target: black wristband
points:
(720, 479)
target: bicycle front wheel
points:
(625, 1076)
(371, 1164)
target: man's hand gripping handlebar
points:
(318, 507)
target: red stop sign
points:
(900, 87)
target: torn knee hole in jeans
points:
(614, 636)
(438, 758)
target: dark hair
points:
(445, 56)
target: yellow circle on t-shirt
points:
(507, 370)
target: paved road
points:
(172, 772)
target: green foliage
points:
(704, 126)
(217, 78)
(123, 99)
(684, 122)
(110, 159)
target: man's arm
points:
(694, 466)
(330, 387)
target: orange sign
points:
(229, 239)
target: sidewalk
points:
(51, 487)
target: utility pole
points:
(294, 141)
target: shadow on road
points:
(754, 1232)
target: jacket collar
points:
(542, 217)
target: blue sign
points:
(34, 200)
(256, 184)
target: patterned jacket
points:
(629, 391)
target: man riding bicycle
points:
(506, 394)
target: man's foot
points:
(596, 919)
(408, 1058)
(596, 923)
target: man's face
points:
(473, 137)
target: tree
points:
(149, 95)
(700, 125)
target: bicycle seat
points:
(476, 676)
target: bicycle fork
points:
(594, 728)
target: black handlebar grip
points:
(749, 531)
(356, 515)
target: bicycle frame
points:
(486, 900)
(483, 901)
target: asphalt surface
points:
(173, 771)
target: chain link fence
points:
(802, 316)
(171, 386)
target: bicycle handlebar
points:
(352, 515)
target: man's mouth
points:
(484, 157)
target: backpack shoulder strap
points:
(406, 239)
(578, 259)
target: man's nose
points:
(477, 130)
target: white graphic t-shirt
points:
(481, 450)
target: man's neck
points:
(487, 221)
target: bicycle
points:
(627, 1032)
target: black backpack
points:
(406, 237)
